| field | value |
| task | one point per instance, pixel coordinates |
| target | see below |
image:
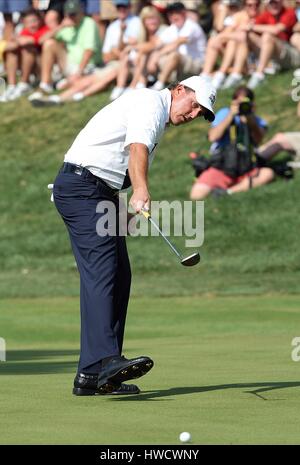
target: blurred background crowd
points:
(84, 46)
(57, 51)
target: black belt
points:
(86, 174)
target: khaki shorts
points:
(187, 67)
(289, 56)
(190, 66)
(294, 139)
(2, 48)
(103, 70)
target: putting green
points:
(223, 372)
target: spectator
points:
(54, 13)
(135, 56)
(232, 43)
(27, 51)
(182, 50)
(121, 32)
(192, 7)
(287, 141)
(295, 39)
(250, 130)
(269, 37)
(5, 47)
(224, 14)
(74, 45)
(8, 7)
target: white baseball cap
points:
(205, 92)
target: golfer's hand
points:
(140, 200)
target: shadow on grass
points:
(37, 362)
(22, 362)
(251, 388)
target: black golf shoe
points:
(119, 369)
(86, 384)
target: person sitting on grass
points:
(282, 141)
(232, 44)
(27, 53)
(182, 50)
(8, 8)
(295, 38)
(121, 32)
(268, 37)
(250, 130)
(6, 46)
(224, 14)
(135, 57)
(74, 45)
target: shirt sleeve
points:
(262, 18)
(133, 29)
(25, 33)
(168, 35)
(261, 122)
(63, 34)
(288, 19)
(191, 31)
(109, 43)
(145, 121)
(220, 116)
(42, 31)
(90, 41)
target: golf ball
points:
(185, 436)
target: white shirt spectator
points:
(103, 145)
(196, 45)
(112, 35)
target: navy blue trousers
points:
(103, 266)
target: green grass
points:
(250, 240)
(220, 334)
(223, 372)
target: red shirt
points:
(35, 35)
(287, 16)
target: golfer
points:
(111, 153)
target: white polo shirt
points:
(196, 39)
(102, 146)
(113, 33)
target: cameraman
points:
(248, 126)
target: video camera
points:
(245, 107)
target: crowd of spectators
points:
(55, 51)
(81, 47)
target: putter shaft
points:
(148, 216)
(165, 238)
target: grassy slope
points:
(236, 380)
(223, 372)
(250, 240)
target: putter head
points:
(191, 260)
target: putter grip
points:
(146, 214)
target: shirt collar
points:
(167, 96)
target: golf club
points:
(191, 260)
